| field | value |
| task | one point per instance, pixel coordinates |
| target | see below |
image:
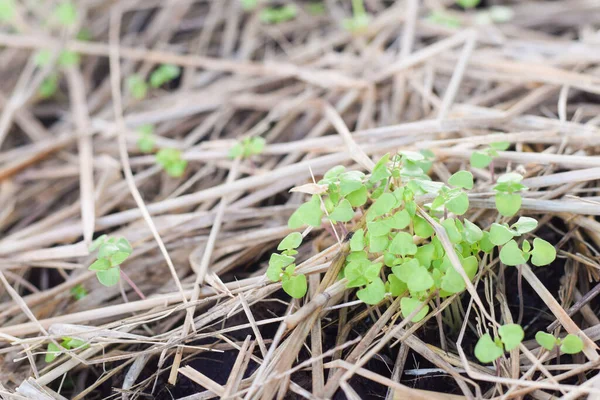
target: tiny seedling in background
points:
(164, 74)
(570, 344)
(278, 15)
(488, 350)
(68, 59)
(78, 292)
(443, 18)
(146, 138)
(112, 252)
(7, 10)
(67, 343)
(483, 158)
(247, 147)
(136, 86)
(466, 4)
(42, 58)
(360, 19)
(65, 14)
(170, 160)
(49, 86)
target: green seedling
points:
(483, 158)
(7, 10)
(170, 160)
(146, 138)
(360, 19)
(247, 147)
(455, 199)
(112, 252)
(136, 86)
(282, 267)
(442, 18)
(488, 350)
(570, 344)
(78, 292)
(164, 74)
(49, 86)
(65, 14)
(67, 343)
(68, 59)
(466, 4)
(508, 193)
(278, 15)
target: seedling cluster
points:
(488, 349)
(394, 249)
(247, 147)
(67, 343)
(138, 87)
(112, 252)
(171, 161)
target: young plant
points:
(67, 343)
(508, 193)
(247, 147)
(136, 86)
(278, 15)
(112, 252)
(65, 14)
(360, 19)
(570, 344)
(171, 161)
(488, 350)
(484, 158)
(78, 292)
(282, 266)
(456, 199)
(466, 4)
(146, 138)
(164, 74)
(49, 86)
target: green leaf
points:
(136, 86)
(512, 335)
(462, 179)
(334, 172)
(408, 305)
(145, 143)
(472, 232)
(378, 228)
(273, 15)
(124, 245)
(99, 241)
(480, 159)
(274, 272)
(109, 277)
(380, 171)
(291, 241)
(458, 204)
(68, 59)
(510, 177)
(164, 74)
(399, 220)
(52, 352)
(403, 244)
(420, 280)
(500, 234)
(396, 286)
(422, 227)
(454, 235)
(373, 293)
(66, 13)
(343, 212)
(78, 292)
(308, 213)
(508, 204)
(485, 244)
(545, 340)
(524, 225)
(371, 272)
(571, 344)
(510, 254)
(357, 242)
(543, 253)
(526, 246)
(256, 145)
(382, 205)
(486, 350)
(358, 197)
(100, 264)
(377, 244)
(425, 254)
(42, 57)
(468, 3)
(280, 261)
(48, 87)
(500, 146)
(295, 286)
(176, 169)
(118, 258)
(406, 269)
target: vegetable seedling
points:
(164, 74)
(78, 292)
(278, 15)
(136, 86)
(146, 138)
(170, 160)
(570, 344)
(247, 147)
(67, 343)
(112, 252)
(466, 4)
(488, 350)
(282, 267)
